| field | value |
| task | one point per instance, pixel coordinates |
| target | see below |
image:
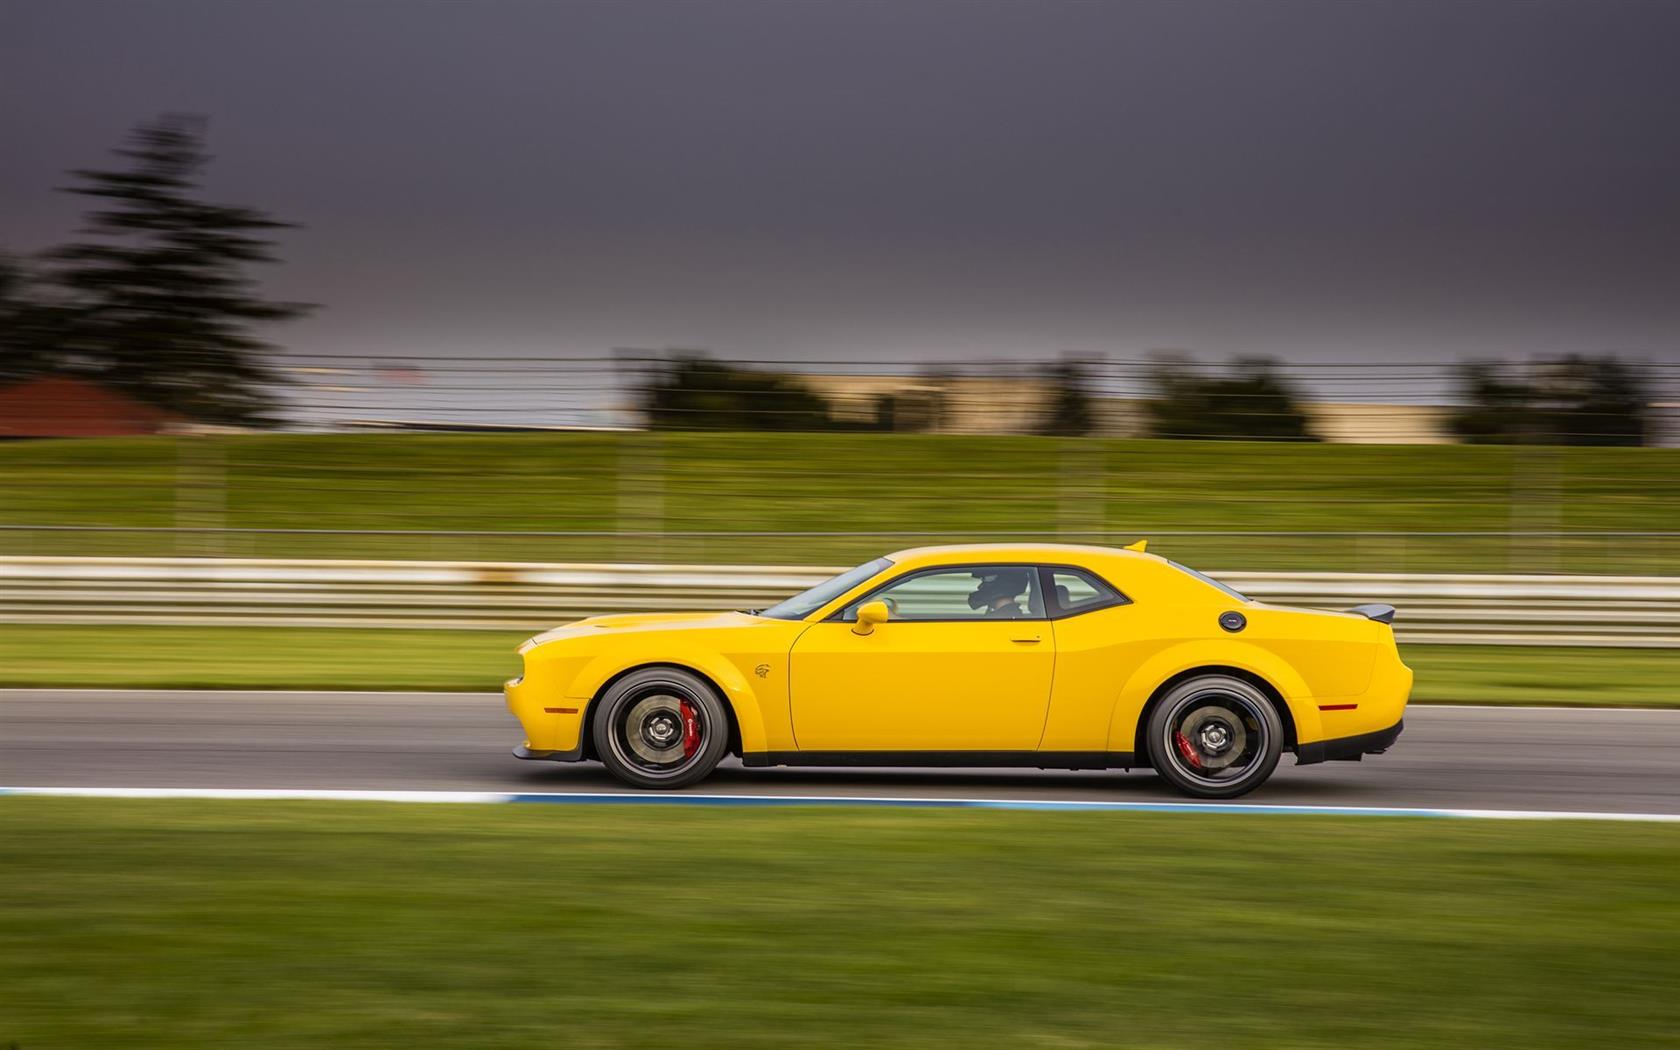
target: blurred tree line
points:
(1573, 401)
(157, 302)
(1252, 402)
(693, 392)
(690, 391)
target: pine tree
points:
(31, 329)
(163, 306)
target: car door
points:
(959, 665)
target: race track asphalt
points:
(1575, 759)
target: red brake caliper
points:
(1185, 749)
(691, 730)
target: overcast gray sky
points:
(1321, 181)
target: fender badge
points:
(762, 670)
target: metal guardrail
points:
(1638, 611)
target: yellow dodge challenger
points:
(1034, 655)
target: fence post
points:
(1536, 506)
(641, 494)
(1079, 488)
(200, 496)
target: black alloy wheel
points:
(1215, 737)
(661, 727)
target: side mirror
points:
(868, 615)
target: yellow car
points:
(1033, 655)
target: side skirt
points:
(946, 759)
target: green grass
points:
(1487, 674)
(671, 486)
(252, 925)
(306, 658)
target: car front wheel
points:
(1215, 737)
(661, 727)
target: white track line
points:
(649, 798)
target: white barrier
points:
(1538, 610)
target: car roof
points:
(1053, 553)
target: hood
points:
(640, 621)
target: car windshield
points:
(805, 603)
(1210, 581)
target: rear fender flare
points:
(1187, 656)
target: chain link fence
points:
(1360, 402)
(1595, 553)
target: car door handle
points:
(1028, 639)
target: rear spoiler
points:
(1379, 613)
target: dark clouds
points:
(1328, 180)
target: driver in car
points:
(999, 593)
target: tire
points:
(1215, 737)
(661, 727)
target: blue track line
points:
(826, 801)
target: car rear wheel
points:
(661, 727)
(1215, 737)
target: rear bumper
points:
(1349, 748)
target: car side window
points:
(969, 592)
(1075, 591)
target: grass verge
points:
(350, 658)
(660, 490)
(206, 924)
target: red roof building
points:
(60, 406)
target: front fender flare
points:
(739, 695)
